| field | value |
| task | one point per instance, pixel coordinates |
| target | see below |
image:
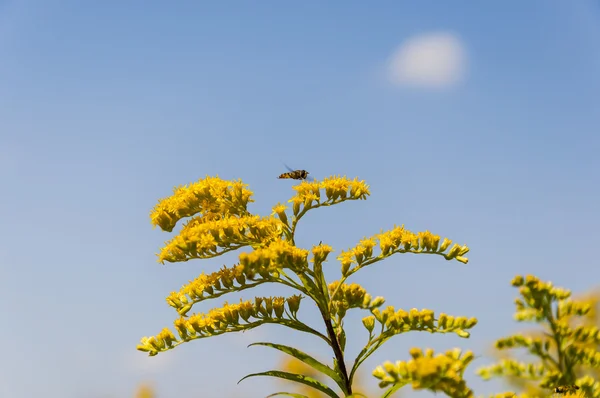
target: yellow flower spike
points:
(180, 327)
(358, 253)
(426, 240)
(279, 210)
(278, 306)
(402, 369)
(385, 315)
(146, 347)
(454, 353)
(207, 196)
(378, 315)
(269, 306)
(427, 319)
(416, 352)
(385, 244)
(369, 323)
(531, 280)
(377, 302)
(358, 189)
(442, 321)
(368, 244)
(157, 344)
(168, 337)
(462, 333)
(460, 321)
(450, 322)
(227, 314)
(404, 316)
(467, 358)
(294, 304)
(346, 259)
(379, 372)
(203, 239)
(195, 324)
(246, 310)
(413, 315)
(366, 301)
(445, 245)
(389, 368)
(471, 323)
(320, 252)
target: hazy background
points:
(478, 122)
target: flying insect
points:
(295, 174)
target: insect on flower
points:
(565, 389)
(294, 174)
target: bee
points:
(295, 174)
(565, 389)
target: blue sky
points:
(105, 106)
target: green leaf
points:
(307, 359)
(372, 346)
(390, 391)
(289, 394)
(341, 336)
(309, 381)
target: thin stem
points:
(563, 363)
(339, 355)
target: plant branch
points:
(339, 355)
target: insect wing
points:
(289, 168)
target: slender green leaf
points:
(370, 349)
(341, 336)
(309, 381)
(390, 391)
(289, 394)
(309, 360)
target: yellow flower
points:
(279, 210)
(210, 195)
(202, 239)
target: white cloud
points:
(430, 60)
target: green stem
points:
(564, 367)
(339, 355)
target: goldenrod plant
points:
(220, 222)
(566, 349)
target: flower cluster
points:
(401, 321)
(345, 297)
(202, 239)
(337, 189)
(320, 253)
(439, 373)
(278, 255)
(211, 195)
(509, 367)
(257, 267)
(398, 240)
(563, 348)
(229, 318)
(213, 285)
